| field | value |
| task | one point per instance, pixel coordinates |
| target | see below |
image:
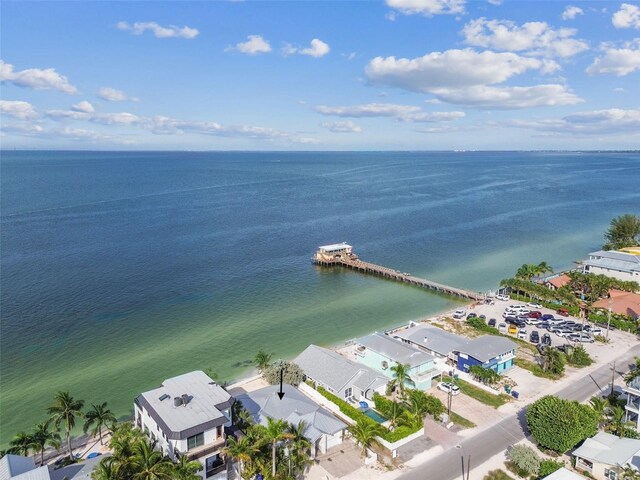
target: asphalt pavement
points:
(511, 430)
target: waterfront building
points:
(621, 303)
(339, 375)
(187, 415)
(17, 467)
(488, 351)
(614, 264)
(381, 352)
(323, 430)
(563, 474)
(328, 253)
(556, 282)
(605, 455)
(632, 408)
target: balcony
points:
(205, 449)
(215, 468)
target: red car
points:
(563, 311)
(534, 314)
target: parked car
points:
(532, 321)
(502, 328)
(563, 311)
(448, 387)
(482, 317)
(534, 337)
(593, 330)
(547, 316)
(534, 314)
(472, 315)
(546, 339)
(543, 325)
(504, 298)
(563, 332)
(581, 337)
(489, 301)
(492, 322)
(522, 334)
(516, 306)
(534, 305)
(458, 314)
(513, 329)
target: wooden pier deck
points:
(348, 259)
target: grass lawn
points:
(479, 394)
(535, 369)
(459, 420)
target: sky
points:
(320, 75)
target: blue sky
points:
(365, 75)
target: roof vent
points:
(177, 401)
(426, 339)
(164, 397)
(185, 399)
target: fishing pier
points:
(341, 254)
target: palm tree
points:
(365, 434)
(617, 423)
(275, 431)
(411, 420)
(262, 360)
(107, 469)
(185, 469)
(99, 416)
(393, 414)
(543, 267)
(150, 464)
(64, 411)
(633, 373)
(299, 447)
(22, 444)
(43, 437)
(240, 451)
(401, 378)
(600, 406)
(624, 231)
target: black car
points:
(492, 322)
(471, 315)
(546, 339)
(534, 337)
(482, 317)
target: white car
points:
(522, 334)
(459, 314)
(535, 306)
(516, 307)
(593, 330)
(504, 298)
(449, 388)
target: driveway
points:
(342, 459)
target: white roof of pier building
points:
(335, 247)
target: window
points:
(610, 474)
(348, 392)
(218, 431)
(195, 441)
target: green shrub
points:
(547, 467)
(525, 459)
(497, 475)
(579, 357)
(479, 324)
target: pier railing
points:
(350, 260)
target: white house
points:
(187, 415)
(632, 408)
(620, 265)
(604, 455)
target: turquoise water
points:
(373, 415)
(122, 269)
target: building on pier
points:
(336, 251)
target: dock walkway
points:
(342, 255)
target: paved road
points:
(505, 433)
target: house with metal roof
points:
(563, 474)
(603, 455)
(620, 265)
(323, 430)
(632, 408)
(187, 415)
(381, 352)
(339, 375)
(17, 467)
(489, 351)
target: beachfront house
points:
(17, 467)
(489, 351)
(632, 408)
(621, 303)
(323, 430)
(614, 264)
(604, 456)
(381, 352)
(555, 282)
(339, 375)
(187, 415)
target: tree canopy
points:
(624, 231)
(559, 424)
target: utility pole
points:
(609, 318)
(613, 377)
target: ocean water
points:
(119, 270)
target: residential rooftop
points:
(393, 349)
(205, 400)
(608, 449)
(620, 261)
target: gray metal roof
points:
(395, 350)
(201, 413)
(486, 347)
(12, 465)
(433, 338)
(621, 261)
(293, 408)
(334, 370)
(608, 449)
(564, 474)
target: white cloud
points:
(255, 44)
(83, 106)
(495, 2)
(449, 69)
(138, 28)
(27, 130)
(341, 127)
(617, 61)
(76, 134)
(510, 97)
(121, 118)
(18, 109)
(534, 38)
(349, 56)
(594, 122)
(571, 12)
(317, 49)
(37, 79)
(627, 17)
(406, 113)
(427, 7)
(113, 95)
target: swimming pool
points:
(372, 414)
